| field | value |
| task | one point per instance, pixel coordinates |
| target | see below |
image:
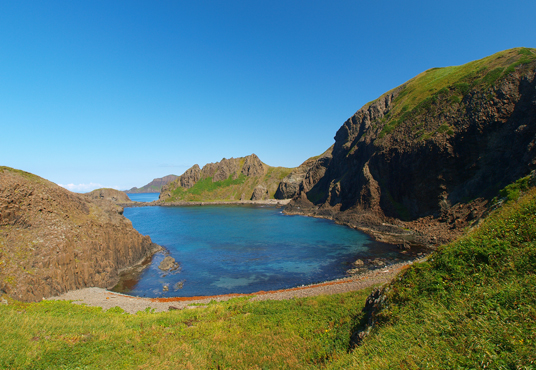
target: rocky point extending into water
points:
(53, 241)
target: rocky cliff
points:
(246, 178)
(431, 152)
(154, 186)
(52, 240)
(111, 195)
(289, 187)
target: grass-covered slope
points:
(292, 334)
(472, 305)
(440, 91)
(206, 190)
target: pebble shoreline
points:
(106, 299)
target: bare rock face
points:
(112, 195)
(435, 165)
(52, 240)
(190, 177)
(253, 166)
(289, 187)
(260, 193)
(226, 168)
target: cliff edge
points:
(422, 161)
(53, 241)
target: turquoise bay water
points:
(143, 197)
(241, 249)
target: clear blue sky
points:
(116, 93)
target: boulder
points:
(168, 264)
(259, 193)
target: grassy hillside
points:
(471, 305)
(425, 94)
(293, 334)
(206, 190)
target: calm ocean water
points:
(240, 249)
(143, 197)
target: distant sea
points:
(143, 197)
(241, 249)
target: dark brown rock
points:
(259, 193)
(434, 186)
(289, 187)
(253, 167)
(52, 240)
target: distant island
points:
(154, 186)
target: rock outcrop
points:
(169, 264)
(259, 193)
(430, 152)
(154, 186)
(230, 179)
(52, 240)
(112, 195)
(289, 187)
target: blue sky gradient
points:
(114, 94)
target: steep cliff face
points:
(154, 186)
(438, 146)
(289, 187)
(230, 179)
(52, 240)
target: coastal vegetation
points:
(231, 179)
(425, 162)
(239, 334)
(426, 94)
(470, 305)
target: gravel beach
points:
(107, 299)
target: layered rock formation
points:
(230, 179)
(289, 187)
(154, 186)
(52, 240)
(432, 151)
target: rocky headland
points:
(420, 164)
(53, 241)
(234, 179)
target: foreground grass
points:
(470, 306)
(238, 334)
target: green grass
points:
(238, 334)
(426, 93)
(231, 189)
(204, 189)
(27, 175)
(470, 306)
(514, 190)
